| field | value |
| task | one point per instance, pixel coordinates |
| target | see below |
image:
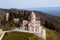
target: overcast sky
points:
(29, 3)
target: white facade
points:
(7, 16)
(34, 24)
(33, 21)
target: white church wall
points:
(44, 34)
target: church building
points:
(32, 25)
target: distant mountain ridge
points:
(50, 10)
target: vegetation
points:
(52, 35)
(21, 15)
(8, 26)
(48, 25)
(20, 36)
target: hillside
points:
(50, 21)
(52, 35)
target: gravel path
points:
(2, 35)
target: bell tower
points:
(33, 19)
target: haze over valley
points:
(50, 10)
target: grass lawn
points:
(16, 38)
(52, 35)
(20, 36)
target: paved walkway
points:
(2, 35)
